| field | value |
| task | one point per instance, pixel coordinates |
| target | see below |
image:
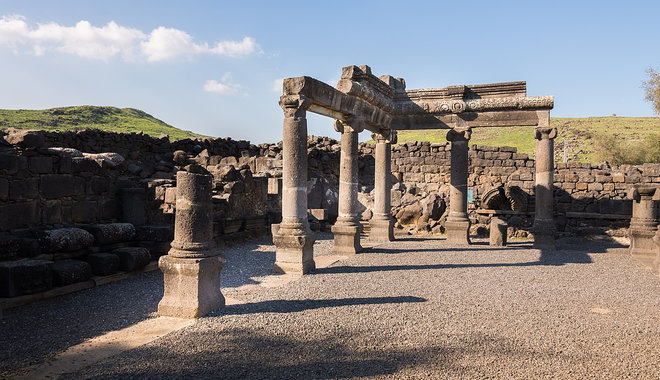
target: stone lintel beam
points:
(328, 101)
(472, 119)
(456, 106)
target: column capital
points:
(642, 191)
(349, 124)
(459, 134)
(544, 133)
(294, 105)
(388, 137)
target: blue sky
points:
(212, 67)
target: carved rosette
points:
(544, 133)
(294, 105)
(459, 134)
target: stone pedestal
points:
(192, 267)
(498, 227)
(458, 223)
(347, 229)
(293, 239)
(544, 224)
(381, 224)
(643, 224)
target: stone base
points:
(294, 254)
(458, 232)
(498, 230)
(192, 286)
(347, 239)
(544, 234)
(642, 246)
(381, 230)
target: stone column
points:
(643, 224)
(656, 263)
(382, 224)
(347, 229)
(293, 239)
(544, 224)
(458, 223)
(192, 267)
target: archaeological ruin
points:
(81, 209)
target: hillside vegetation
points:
(592, 139)
(125, 120)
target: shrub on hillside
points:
(620, 151)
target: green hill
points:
(125, 120)
(586, 138)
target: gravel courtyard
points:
(414, 308)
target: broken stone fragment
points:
(132, 258)
(103, 264)
(65, 240)
(111, 233)
(25, 138)
(67, 272)
(25, 277)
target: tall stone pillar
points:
(382, 224)
(544, 224)
(293, 239)
(643, 224)
(347, 229)
(458, 223)
(656, 262)
(192, 267)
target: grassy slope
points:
(579, 133)
(113, 119)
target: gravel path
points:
(414, 308)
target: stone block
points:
(18, 278)
(19, 215)
(4, 189)
(65, 240)
(40, 164)
(581, 186)
(111, 233)
(97, 185)
(84, 211)
(84, 165)
(170, 195)
(24, 189)
(10, 247)
(618, 177)
(103, 264)
(318, 214)
(67, 272)
(54, 186)
(498, 232)
(275, 186)
(132, 258)
(51, 212)
(11, 163)
(596, 186)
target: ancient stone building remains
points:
(383, 106)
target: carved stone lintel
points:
(459, 134)
(294, 105)
(544, 133)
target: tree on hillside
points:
(652, 88)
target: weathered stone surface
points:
(133, 205)
(67, 272)
(25, 138)
(498, 232)
(84, 211)
(132, 258)
(25, 277)
(103, 264)
(10, 247)
(65, 239)
(54, 186)
(155, 233)
(111, 233)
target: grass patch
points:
(112, 119)
(582, 135)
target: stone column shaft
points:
(293, 239)
(458, 223)
(643, 224)
(347, 229)
(191, 269)
(382, 224)
(544, 224)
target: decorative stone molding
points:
(459, 134)
(387, 137)
(294, 105)
(545, 133)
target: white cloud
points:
(276, 85)
(224, 87)
(105, 42)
